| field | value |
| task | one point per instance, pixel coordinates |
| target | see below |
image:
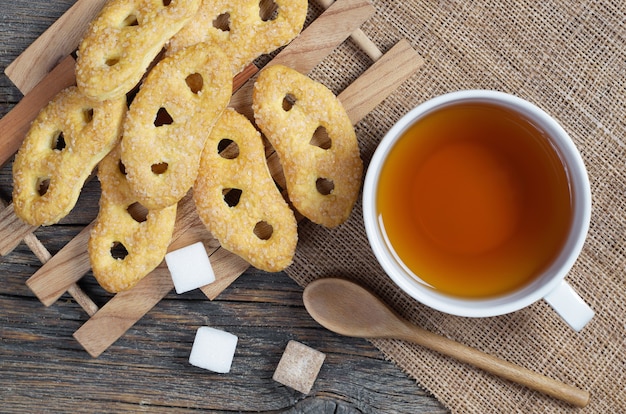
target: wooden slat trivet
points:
(48, 283)
(59, 41)
(119, 314)
(15, 124)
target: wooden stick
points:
(58, 41)
(15, 124)
(360, 38)
(85, 302)
(384, 76)
(123, 311)
(317, 41)
(227, 267)
(63, 269)
(12, 230)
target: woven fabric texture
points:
(569, 58)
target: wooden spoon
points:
(348, 309)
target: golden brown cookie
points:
(122, 41)
(237, 199)
(169, 121)
(236, 26)
(315, 141)
(63, 146)
(127, 241)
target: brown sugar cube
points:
(299, 366)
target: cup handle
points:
(566, 302)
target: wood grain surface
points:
(44, 369)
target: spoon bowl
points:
(349, 309)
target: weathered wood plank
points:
(148, 366)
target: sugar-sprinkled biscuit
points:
(323, 176)
(127, 242)
(169, 121)
(122, 41)
(62, 147)
(244, 35)
(237, 199)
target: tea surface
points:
(474, 200)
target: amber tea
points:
(474, 200)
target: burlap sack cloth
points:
(569, 58)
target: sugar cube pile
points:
(190, 267)
(299, 366)
(213, 349)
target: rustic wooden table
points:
(43, 368)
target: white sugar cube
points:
(213, 349)
(190, 267)
(299, 366)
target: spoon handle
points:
(496, 366)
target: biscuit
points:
(243, 35)
(323, 176)
(237, 199)
(61, 149)
(127, 242)
(122, 41)
(169, 121)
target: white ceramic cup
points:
(550, 284)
